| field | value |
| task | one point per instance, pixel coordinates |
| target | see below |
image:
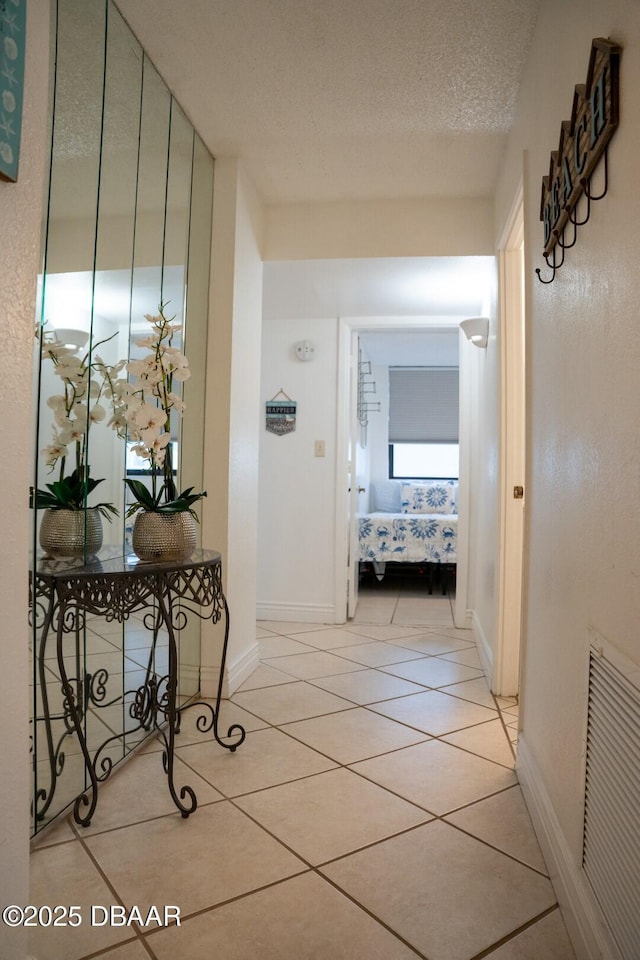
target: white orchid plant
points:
(142, 397)
(143, 408)
(84, 383)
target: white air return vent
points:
(611, 850)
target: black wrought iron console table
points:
(115, 586)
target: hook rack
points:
(559, 235)
(365, 387)
(584, 142)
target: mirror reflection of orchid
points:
(85, 384)
(144, 410)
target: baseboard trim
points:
(241, 669)
(297, 612)
(484, 650)
(209, 677)
(237, 672)
(586, 926)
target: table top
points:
(117, 561)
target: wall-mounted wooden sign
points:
(583, 142)
(280, 414)
(13, 19)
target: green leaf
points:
(162, 502)
(70, 493)
(141, 494)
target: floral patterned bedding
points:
(409, 537)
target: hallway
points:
(372, 813)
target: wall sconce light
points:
(72, 338)
(305, 350)
(476, 329)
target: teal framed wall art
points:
(13, 24)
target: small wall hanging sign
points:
(13, 22)
(281, 414)
(583, 142)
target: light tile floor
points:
(373, 813)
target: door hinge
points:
(518, 493)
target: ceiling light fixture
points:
(71, 337)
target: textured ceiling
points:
(337, 99)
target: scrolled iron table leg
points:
(67, 621)
(170, 713)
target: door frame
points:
(347, 327)
(507, 659)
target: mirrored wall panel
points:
(127, 234)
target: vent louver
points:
(611, 843)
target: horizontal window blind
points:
(423, 404)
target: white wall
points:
(232, 417)
(422, 227)
(584, 459)
(20, 216)
(296, 508)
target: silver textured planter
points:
(164, 536)
(71, 533)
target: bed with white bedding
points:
(412, 522)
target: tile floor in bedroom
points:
(372, 813)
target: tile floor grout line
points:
(515, 933)
(434, 736)
(425, 736)
(316, 868)
(110, 887)
(350, 705)
(271, 786)
(370, 913)
(115, 946)
(486, 843)
(435, 818)
(349, 768)
(235, 899)
(438, 816)
(343, 696)
(458, 746)
(418, 655)
(505, 728)
(316, 716)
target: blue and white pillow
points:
(435, 497)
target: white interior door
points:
(353, 483)
(506, 679)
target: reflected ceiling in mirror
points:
(66, 297)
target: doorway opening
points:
(303, 513)
(362, 472)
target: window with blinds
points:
(423, 423)
(423, 404)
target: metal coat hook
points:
(554, 265)
(572, 218)
(561, 242)
(585, 183)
